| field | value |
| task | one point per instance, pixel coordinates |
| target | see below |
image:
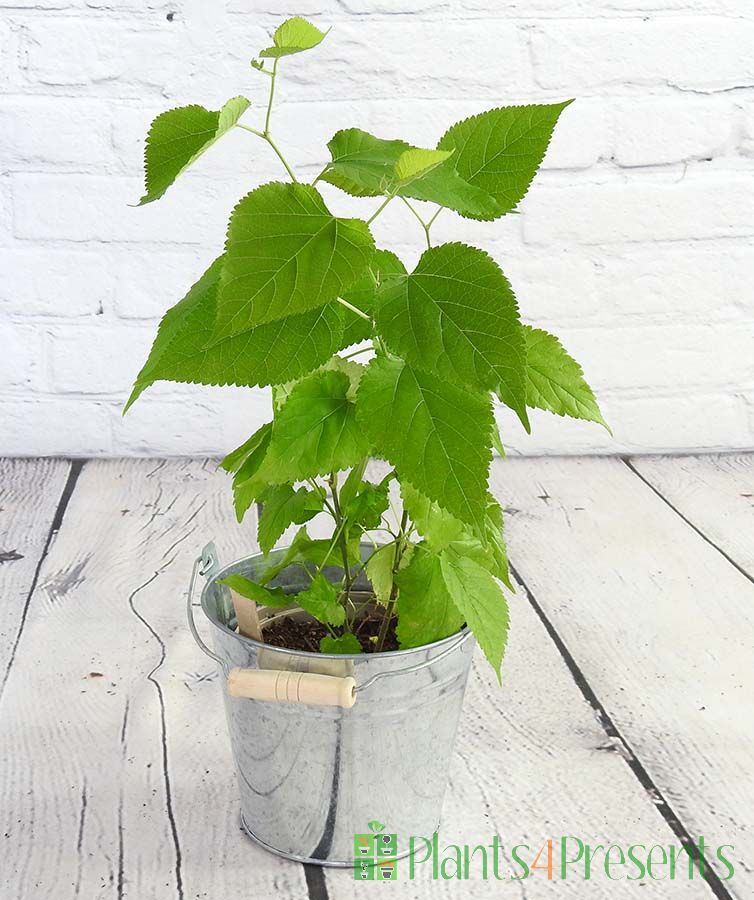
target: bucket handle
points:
(282, 686)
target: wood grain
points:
(532, 762)
(30, 491)
(660, 624)
(116, 762)
(716, 495)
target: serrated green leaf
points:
(434, 433)
(382, 266)
(346, 643)
(441, 530)
(235, 459)
(435, 524)
(555, 381)
(480, 601)
(364, 166)
(293, 36)
(245, 461)
(368, 505)
(456, 317)
(285, 254)
(315, 432)
(414, 163)
(267, 354)
(320, 600)
(426, 609)
(500, 150)
(272, 597)
(284, 506)
(379, 569)
(304, 549)
(179, 136)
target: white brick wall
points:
(636, 243)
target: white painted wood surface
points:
(30, 490)
(116, 767)
(715, 493)
(115, 764)
(660, 624)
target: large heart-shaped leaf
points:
(179, 136)
(272, 353)
(435, 434)
(285, 254)
(365, 166)
(500, 150)
(456, 316)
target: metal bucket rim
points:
(460, 637)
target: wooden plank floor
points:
(626, 714)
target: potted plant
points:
(347, 656)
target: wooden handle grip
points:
(280, 686)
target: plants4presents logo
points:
(375, 854)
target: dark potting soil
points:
(296, 635)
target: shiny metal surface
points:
(311, 777)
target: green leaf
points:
(246, 486)
(367, 507)
(364, 166)
(235, 459)
(346, 643)
(435, 524)
(284, 506)
(426, 609)
(179, 136)
(383, 266)
(456, 317)
(267, 354)
(481, 602)
(379, 569)
(294, 36)
(316, 431)
(285, 254)
(304, 549)
(555, 381)
(493, 541)
(273, 597)
(500, 150)
(414, 163)
(435, 434)
(320, 600)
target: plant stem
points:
(354, 309)
(343, 539)
(357, 352)
(320, 174)
(423, 224)
(273, 76)
(265, 135)
(380, 208)
(390, 609)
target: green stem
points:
(380, 208)
(343, 539)
(437, 213)
(390, 609)
(354, 309)
(280, 156)
(357, 353)
(273, 76)
(320, 174)
(421, 221)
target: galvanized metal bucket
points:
(312, 776)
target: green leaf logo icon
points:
(375, 826)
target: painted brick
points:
(653, 132)
(54, 426)
(698, 53)
(99, 359)
(39, 281)
(715, 206)
(21, 362)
